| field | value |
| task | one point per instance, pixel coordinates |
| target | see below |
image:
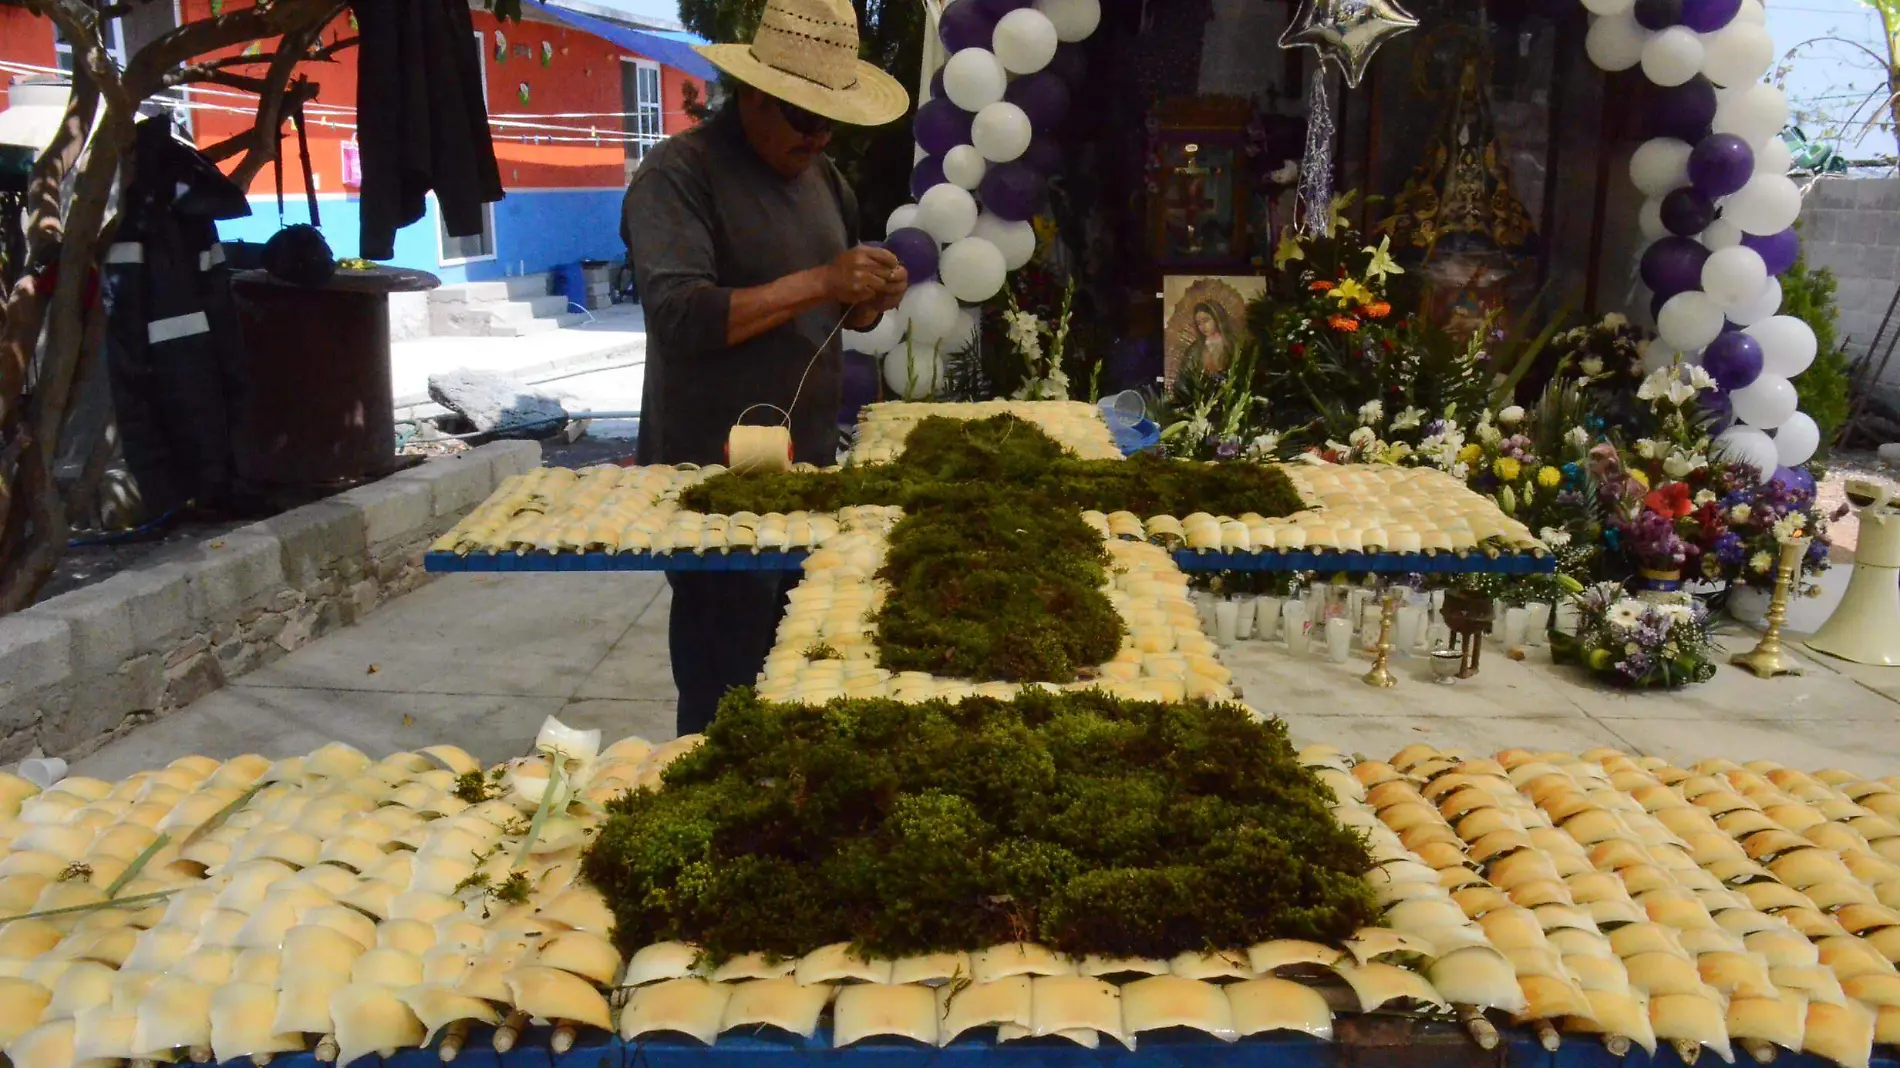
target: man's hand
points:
(865, 275)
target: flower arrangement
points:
(1640, 643)
(1043, 376)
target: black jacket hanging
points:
(172, 339)
(422, 121)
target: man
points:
(744, 242)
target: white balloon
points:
(885, 334)
(1660, 165)
(972, 269)
(1016, 240)
(1767, 402)
(1753, 113)
(1615, 42)
(904, 217)
(1689, 320)
(1721, 234)
(964, 165)
(1649, 219)
(1753, 13)
(1025, 40)
(1737, 54)
(1608, 7)
(1788, 345)
(931, 311)
(1768, 204)
(1774, 157)
(913, 373)
(1766, 302)
(855, 341)
(1747, 445)
(1734, 275)
(1074, 20)
(1656, 355)
(1673, 56)
(973, 79)
(962, 336)
(946, 212)
(1796, 440)
(1001, 132)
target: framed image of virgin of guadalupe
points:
(1204, 321)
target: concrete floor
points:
(479, 660)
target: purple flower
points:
(1228, 449)
(1730, 549)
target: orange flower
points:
(1322, 286)
(1671, 500)
(1378, 310)
(1345, 324)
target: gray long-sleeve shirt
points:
(703, 216)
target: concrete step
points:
(520, 287)
(515, 311)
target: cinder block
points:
(156, 601)
(100, 626)
(233, 570)
(314, 537)
(391, 508)
(456, 482)
(36, 651)
(510, 457)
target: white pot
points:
(1749, 605)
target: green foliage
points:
(1808, 295)
(1087, 823)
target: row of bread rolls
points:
(1076, 425)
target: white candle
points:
(1569, 617)
(1537, 629)
(1266, 624)
(1293, 616)
(1338, 640)
(1516, 620)
(1226, 621)
(1498, 611)
(1243, 606)
(1407, 628)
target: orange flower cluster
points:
(1345, 324)
(1378, 310)
(1322, 286)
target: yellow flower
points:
(1382, 263)
(1549, 477)
(1507, 468)
(1471, 453)
(1288, 251)
(1639, 478)
(1349, 291)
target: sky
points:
(668, 11)
(1829, 81)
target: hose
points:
(115, 537)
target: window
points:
(115, 45)
(451, 251)
(644, 112)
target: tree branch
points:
(145, 74)
(208, 71)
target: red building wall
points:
(24, 38)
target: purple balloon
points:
(1069, 64)
(916, 250)
(1708, 16)
(1778, 251)
(941, 126)
(1720, 164)
(1684, 111)
(1013, 191)
(860, 385)
(1674, 265)
(966, 25)
(1687, 212)
(927, 174)
(1043, 97)
(1733, 360)
(936, 85)
(1795, 480)
(1044, 156)
(1720, 408)
(996, 9)
(1658, 14)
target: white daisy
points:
(1626, 614)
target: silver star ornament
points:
(1346, 33)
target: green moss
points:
(1088, 823)
(474, 788)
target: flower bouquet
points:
(1637, 643)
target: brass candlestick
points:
(1379, 676)
(1766, 660)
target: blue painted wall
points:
(535, 231)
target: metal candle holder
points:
(1380, 676)
(1766, 659)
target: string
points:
(796, 393)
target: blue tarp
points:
(672, 49)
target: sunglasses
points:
(803, 121)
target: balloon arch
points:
(1720, 208)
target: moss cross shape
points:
(993, 573)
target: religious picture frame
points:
(1204, 321)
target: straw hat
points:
(806, 54)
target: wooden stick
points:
(1763, 1052)
(453, 1036)
(327, 1051)
(510, 1031)
(565, 1031)
(1617, 1045)
(1689, 1051)
(1547, 1035)
(619, 996)
(1481, 1030)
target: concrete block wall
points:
(86, 666)
(1852, 227)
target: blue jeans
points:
(719, 631)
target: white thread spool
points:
(759, 448)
